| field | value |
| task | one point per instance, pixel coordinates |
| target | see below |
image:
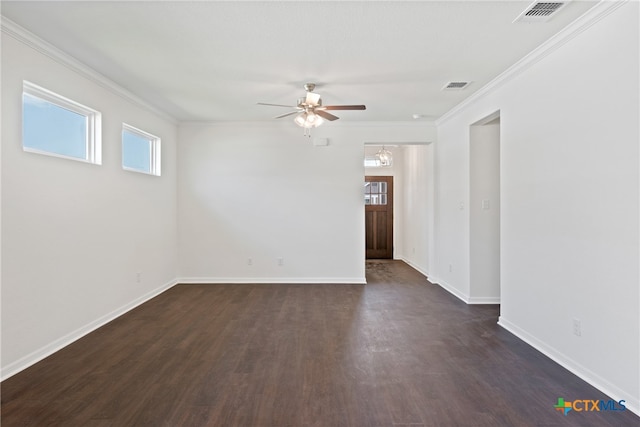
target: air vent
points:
(455, 85)
(540, 11)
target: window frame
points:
(155, 158)
(93, 134)
(368, 160)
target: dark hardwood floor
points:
(395, 352)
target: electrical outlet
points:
(280, 262)
(450, 268)
(577, 327)
(249, 261)
(138, 277)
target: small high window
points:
(140, 151)
(372, 162)
(58, 126)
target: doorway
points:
(378, 201)
(484, 210)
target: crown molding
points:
(27, 38)
(589, 18)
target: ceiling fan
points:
(310, 111)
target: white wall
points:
(484, 213)
(450, 267)
(570, 200)
(263, 191)
(75, 235)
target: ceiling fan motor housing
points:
(302, 103)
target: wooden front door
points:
(378, 202)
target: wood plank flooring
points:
(395, 352)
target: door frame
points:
(389, 208)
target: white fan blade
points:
(276, 105)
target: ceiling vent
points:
(540, 11)
(455, 85)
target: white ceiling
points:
(213, 60)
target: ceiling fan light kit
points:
(310, 111)
(308, 120)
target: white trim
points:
(571, 365)
(47, 350)
(465, 298)
(24, 36)
(590, 17)
(487, 119)
(155, 158)
(483, 300)
(415, 267)
(272, 280)
(447, 287)
(93, 136)
(60, 156)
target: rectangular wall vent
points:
(455, 85)
(540, 11)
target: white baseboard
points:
(447, 287)
(416, 267)
(272, 280)
(632, 404)
(463, 297)
(36, 356)
(483, 300)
